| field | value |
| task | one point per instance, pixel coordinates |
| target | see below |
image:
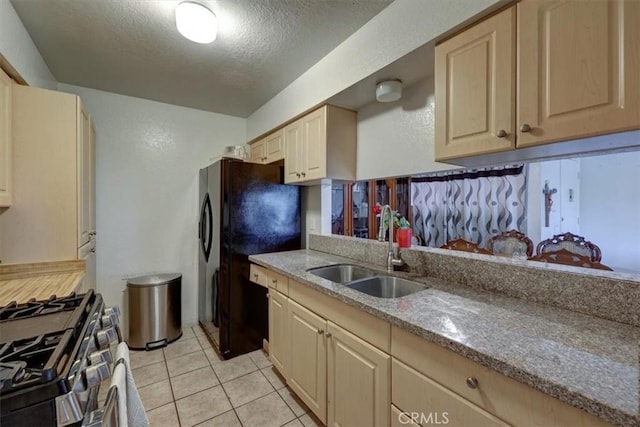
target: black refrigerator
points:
(244, 210)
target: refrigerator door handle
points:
(206, 224)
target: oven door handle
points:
(107, 416)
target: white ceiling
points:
(132, 47)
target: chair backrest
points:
(565, 257)
(572, 243)
(464, 245)
(510, 242)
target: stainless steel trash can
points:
(155, 314)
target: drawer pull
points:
(525, 128)
(274, 281)
(320, 332)
(256, 276)
(328, 335)
(472, 382)
(501, 133)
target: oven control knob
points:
(107, 321)
(95, 374)
(114, 313)
(106, 337)
(90, 344)
(100, 356)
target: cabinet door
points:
(278, 331)
(5, 139)
(84, 174)
(293, 152)
(274, 147)
(474, 85)
(314, 147)
(88, 254)
(258, 152)
(308, 358)
(359, 383)
(579, 69)
(432, 403)
(92, 179)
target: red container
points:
(403, 237)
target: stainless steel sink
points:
(342, 273)
(387, 286)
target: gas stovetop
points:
(46, 350)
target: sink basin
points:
(342, 273)
(387, 286)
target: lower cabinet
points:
(308, 355)
(279, 331)
(358, 379)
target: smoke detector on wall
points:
(389, 90)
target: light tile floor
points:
(186, 384)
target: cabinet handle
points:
(274, 281)
(525, 128)
(297, 174)
(304, 174)
(328, 335)
(93, 250)
(256, 276)
(268, 296)
(320, 331)
(501, 133)
(472, 382)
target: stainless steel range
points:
(53, 356)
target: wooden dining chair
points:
(465, 246)
(563, 256)
(572, 243)
(510, 242)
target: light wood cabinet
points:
(88, 254)
(579, 69)
(359, 381)
(269, 149)
(571, 71)
(422, 368)
(279, 331)
(52, 213)
(308, 358)
(475, 89)
(6, 140)
(321, 144)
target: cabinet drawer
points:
(426, 402)
(278, 281)
(510, 400)
(370, 328)
(258, 275)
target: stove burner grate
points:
(35, 308)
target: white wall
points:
(18, 48)
(400, 28)
(148, 156)
(610, 207)
(398, 138)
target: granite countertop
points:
(585, 361)
(21, 282)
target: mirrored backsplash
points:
(595, 198)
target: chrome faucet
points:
(393, 257)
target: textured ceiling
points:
(132, 47)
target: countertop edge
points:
(558, 391)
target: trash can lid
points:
(153, 279)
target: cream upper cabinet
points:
(571, 70)
(321, 144)
(308, 358)
(269, 149)
(6, 140)
(52, 174)
(579, 69)
(293, 152)
(279, 331)
(258, 152)
(475, 89)
(359, 390)
(84, 182)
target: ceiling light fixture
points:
(389, 90)
(196, 22)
